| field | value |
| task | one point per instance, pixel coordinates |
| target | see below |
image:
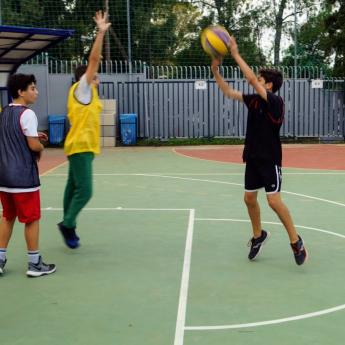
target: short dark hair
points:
(272, 76)
(79, 71)
(19, 82)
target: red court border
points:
(307, 156)
(50, 159)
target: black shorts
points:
(262, 174)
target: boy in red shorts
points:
(20, 148)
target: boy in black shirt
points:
(262, 152)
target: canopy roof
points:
(20, 44)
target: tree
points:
(44, 14)
(278, 15)
(240, 19)
(21, 13)
(335, 29)
(312, 44)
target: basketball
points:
(215, 40)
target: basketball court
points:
(163, 256)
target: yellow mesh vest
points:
(83, 135)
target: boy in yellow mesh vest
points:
(82, 141)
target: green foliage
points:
(321, 40)
(335, 31)
(238, 19)
(167, 32)
(312, 45)
(21, 13)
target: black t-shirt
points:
(263, 126)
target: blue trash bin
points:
(56, 126)
(128, 128)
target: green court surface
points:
(163, 260)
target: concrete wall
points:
(53, 90)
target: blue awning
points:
(20, 44)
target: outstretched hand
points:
(101, 19)
(232, 46)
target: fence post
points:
(208, 109)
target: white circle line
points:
(241, 185)
(217, 182)
(268, 322)
(272, 223)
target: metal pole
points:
(46, 66)
(0, 14)
(295, 72)
(129, 37)
(295, 40)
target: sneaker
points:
(299, 251)
(75, 234)
(2, 265)
(256, 244)
(69, 235)
(40, 269)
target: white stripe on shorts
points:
(252, 190)
(278, 181)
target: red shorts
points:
(25, 206)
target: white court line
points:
(180, 325)
(238, 184)
(159, 174)
(182, 306)
(315, 198)
(201, 174)
(272, 223)
(193, 179)
(268, 322)
(119, 208)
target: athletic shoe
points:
(256, 244)
(74, 234)
(2, 265)
(40, 269)
(69, 235)
(299, 251)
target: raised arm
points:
(223, 85)
(247, 71)
(101, 20)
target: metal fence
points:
(194, 109)
(173, 108)
(56, 66)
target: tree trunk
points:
(278, 29)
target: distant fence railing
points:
(194, 109)
(167, 71)
(229, 72)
